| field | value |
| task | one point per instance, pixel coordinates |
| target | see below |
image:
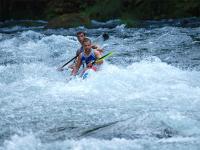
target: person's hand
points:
(60, 69)
(71, 66)
(89, 65)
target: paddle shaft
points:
(101, 58)
(69, 61)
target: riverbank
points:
(61, 13)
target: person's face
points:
(81, 37)
(87, 46)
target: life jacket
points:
(87, 59)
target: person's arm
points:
(77, 65)
(98, 55)
(96, 47)
(78, 51)
(72, 65)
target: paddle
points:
(61, 68)
(102, 58)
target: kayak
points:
(87, 72)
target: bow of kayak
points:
(87, 72)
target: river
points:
(146, 95)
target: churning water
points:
(146, 96)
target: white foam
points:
(158, 97)
(30, 142)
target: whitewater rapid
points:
(146, 96)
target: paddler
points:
(81, 36)
(87, 57)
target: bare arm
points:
(96, 47)
(77, 65)
(98, 55)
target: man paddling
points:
(81, 36)
(87, 57)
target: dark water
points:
(147, 95)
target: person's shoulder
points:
(78, 51)
(80, 54)
(96, 52)
(95, 46)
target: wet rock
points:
(69, 20)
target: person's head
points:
(87, 44)
(80, 35)
(105, 36)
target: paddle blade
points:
(103, 57)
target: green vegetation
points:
(129, 11)
(105, 10)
